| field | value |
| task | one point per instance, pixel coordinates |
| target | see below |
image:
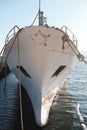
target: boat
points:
(44, 56)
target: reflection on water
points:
(9, 104)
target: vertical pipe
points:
(39, 11)
(20, 96)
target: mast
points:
(42, 19)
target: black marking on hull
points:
(24, 71)
(58, 70)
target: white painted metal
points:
(41, 54)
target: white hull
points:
(45, 65)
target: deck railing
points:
(11, 34)
(70, 34)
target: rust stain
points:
(40, 33)
(47, 98)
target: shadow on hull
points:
(28, 113)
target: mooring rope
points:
(20, 96)
(81, 120)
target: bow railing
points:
(11, 33)
(72, 37)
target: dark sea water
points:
(63, 114)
